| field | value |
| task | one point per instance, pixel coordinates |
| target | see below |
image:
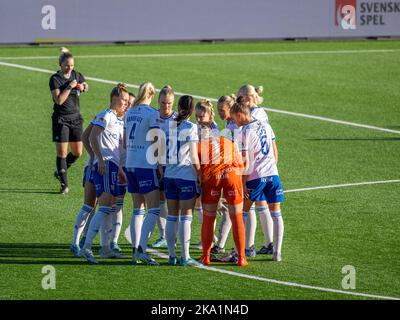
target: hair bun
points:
(259, 89)
(122, 86)
(64, 50)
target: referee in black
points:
(66, 86)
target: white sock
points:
(95, 224)
(136, 226)
(80, 222)
(162, 218)
(148, 227)
(170, 233)
(224, 228)
(105, 230)
(278, 230)
(267, 224)
(89, 219)
(185, 223)
(251, 226)
(117, 220)
(199, 211)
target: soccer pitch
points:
(340, 129)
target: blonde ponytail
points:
(64, 55)
(145, 90)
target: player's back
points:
(179, 160)
(257, 137)
(138, 121)
(218, 154)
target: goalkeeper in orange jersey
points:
(221, 170)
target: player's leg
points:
(224, 227)
(105, 231)
(274, 194)
(250, 221)
(75, 141)
(135, 227)
(188, 192)
(199, 212)
(233, 192)
(61, 138)
(267, 227)
(84, 213)
(75, 153)
(207, 228)
(61, 163)
(137, 219)
(105, 184)
(171, 229)
(162, 222)
(117, 223)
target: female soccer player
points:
(205, 119)
(141, 169)
(221, 169)
(252, 99)
(65, 86)
(261, 181)
(180, 181)
(165, 119)
(105, 139)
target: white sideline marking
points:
(343, 185)
(286, 283)
(13, 65)
(207, 54)
(353, 124)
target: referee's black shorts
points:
(67, 128)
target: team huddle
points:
(174, 167)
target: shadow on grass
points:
(25, 190)
(355, 139)
(51, 253)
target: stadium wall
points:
(44, 21)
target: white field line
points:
(343, 185)
(19, 66)
(208, 54)
(292, 284)
(279, 282)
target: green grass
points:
(324, 229)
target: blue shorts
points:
(121, 188)
(266, 188)
(108, 181)
(142, 180)
(87, 176)
(179, 189)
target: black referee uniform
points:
(67, 121)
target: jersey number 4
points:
(132, 133)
